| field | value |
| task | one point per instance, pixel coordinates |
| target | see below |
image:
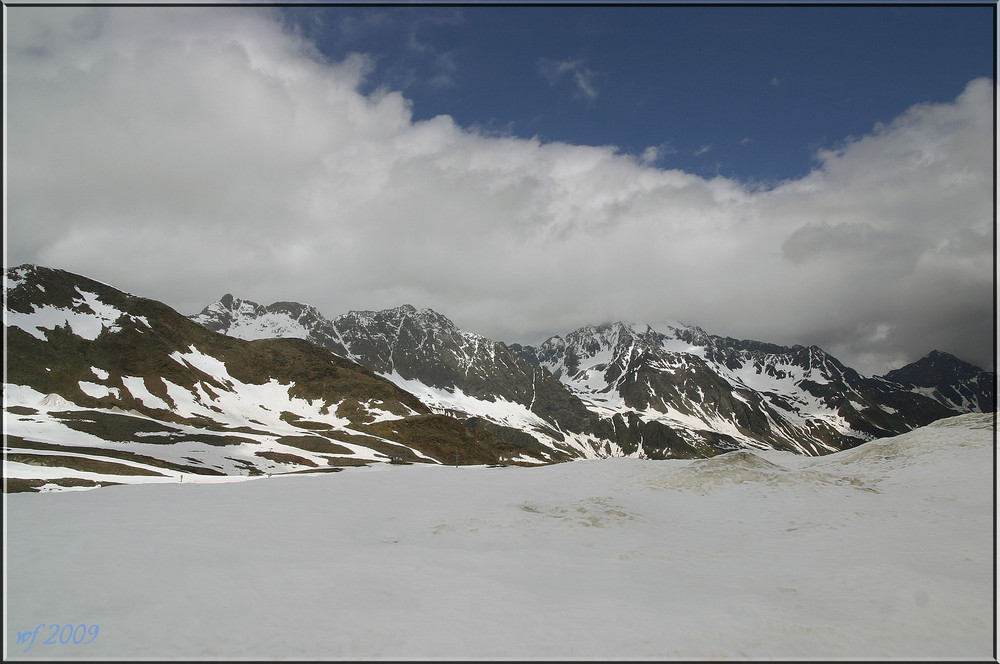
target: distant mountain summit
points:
(949, 380)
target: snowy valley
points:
(884, 551)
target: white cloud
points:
(185, 153)
(654, 153)
(650, 155)
(583, 78)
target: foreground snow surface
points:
(883, 551)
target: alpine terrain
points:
(104, 387)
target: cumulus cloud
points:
(183, 153)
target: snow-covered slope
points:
(754, 394)
(881, 552)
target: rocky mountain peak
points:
(934, 369)
(220, 316)
(405, 324)
(949, 379)
(608, 343)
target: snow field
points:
(884, 551)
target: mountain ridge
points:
(283, 388)
(764, 382)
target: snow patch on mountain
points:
(270, 325)
(97, 390)
(455, 401)
(87, 316)
(137, 388)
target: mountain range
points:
(103, 386)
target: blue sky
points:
(745, 92)
(794, 174)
